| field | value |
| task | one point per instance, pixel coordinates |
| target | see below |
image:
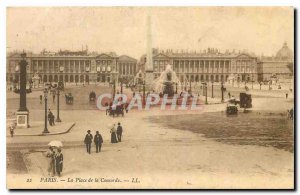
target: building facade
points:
(208, 66)
(279, 67)
(72, 67)
(127, 67)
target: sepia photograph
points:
(150, 97)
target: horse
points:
(69, 99)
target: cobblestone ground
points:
(155, 152)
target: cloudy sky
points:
(124, 30)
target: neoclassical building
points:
(73, 67)
(279, 67)
(127, 67)
(209, 66)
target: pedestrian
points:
(119, 132)
(292, 114)
(53, 97)
(12, 130)
(50, 117)
(98, 141)
(113, 138)
(88, 141)
(59, 158)
(288, 114)
(286, 95)
(51, 161)
(41, 99)
(229, 95)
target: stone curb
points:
(46, 134)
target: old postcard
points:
(150, 98)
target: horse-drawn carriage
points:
(231, 109)
(69, 98)
(245, 100)
(116, 109)
(60, 85)
(92, 96)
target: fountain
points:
(139, 78)
(165, 84)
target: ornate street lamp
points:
(46, 118)
(205, 84)
(144, 92)
(260, 83)
(23, 112)
(252, 81)
(114, 89)
(58, 93)
(222, 90)
(212, 89)
(122, 86)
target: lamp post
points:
(46, 118)
(58, 93)
(190, 85)
(185, 83)
(205, 84)
(252, 80)
(176, 88)
(199, 89)
(212, 89)
(114, 89)
(121, 86)
(181, 85)
(144, 92)
(260, 83)
(23, 82)
(222, 90)
(245, 75)
(22, 113)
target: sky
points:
(123, 30)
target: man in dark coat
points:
(53, 96)
(119, 132)
(50, 117)
(98, 141)
(88, 141)
(53, 119)
(59, 158)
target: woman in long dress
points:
(113, 133)
(59, 158)
(51, 161)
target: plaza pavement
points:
(159, 157)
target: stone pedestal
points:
(22, 119)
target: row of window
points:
(201, 62)
(103, 62)
(60, 68)
(60, 62)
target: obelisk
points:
(149, 77)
